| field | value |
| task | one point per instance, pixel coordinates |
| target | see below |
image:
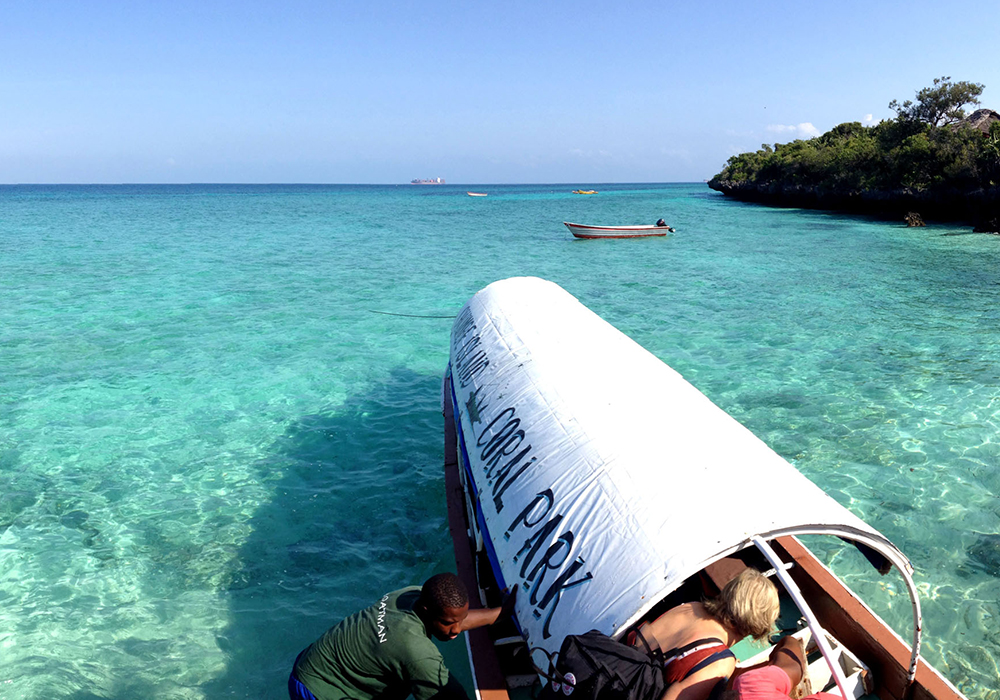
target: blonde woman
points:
(694, 638)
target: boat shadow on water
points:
(357, 510)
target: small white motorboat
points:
(641, 231)
(476, 194)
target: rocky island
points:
(933, 161)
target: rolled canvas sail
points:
(602, 478)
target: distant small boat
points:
(584, 191)
(476, 194)
(582, 231)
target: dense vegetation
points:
(927, 159)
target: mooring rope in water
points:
(389, 313)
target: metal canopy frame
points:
(793, 590)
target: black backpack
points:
(593, 666)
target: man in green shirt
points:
(385, 651)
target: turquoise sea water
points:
(212, 446)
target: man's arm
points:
(481, 617)
(428, 677)
(452, 691)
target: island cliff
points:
(932, 160)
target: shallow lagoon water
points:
(216, 439)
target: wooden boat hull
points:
(583, 231)
(509, 382)
(487, 675)
(842, 613)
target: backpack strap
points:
(552, 674)
(654, 654)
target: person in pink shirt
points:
(775, 679)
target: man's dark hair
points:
(444, 591)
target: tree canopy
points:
(922, 149)
(941, 104)
(925, 153)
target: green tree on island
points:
(941, 104)
(931, 158)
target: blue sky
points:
(474, 92)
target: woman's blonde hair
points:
(748, 604)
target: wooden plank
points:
(859, 630)
(486, 673)
(717, 574)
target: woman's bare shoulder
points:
(684, 610)
(682, 624)
(673, 621)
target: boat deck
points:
(487, 676)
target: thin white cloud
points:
(590, 155)
(805, 129)
(869, 118)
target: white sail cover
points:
(604, 479)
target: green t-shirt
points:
(383, 652)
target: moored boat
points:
(584, 191)
(638, 231)
(476, 194)
(585, 478)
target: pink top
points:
(770, 683)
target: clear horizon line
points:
(354, 184)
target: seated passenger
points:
(775, 679)
(694, 638)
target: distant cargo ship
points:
(431, 181)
